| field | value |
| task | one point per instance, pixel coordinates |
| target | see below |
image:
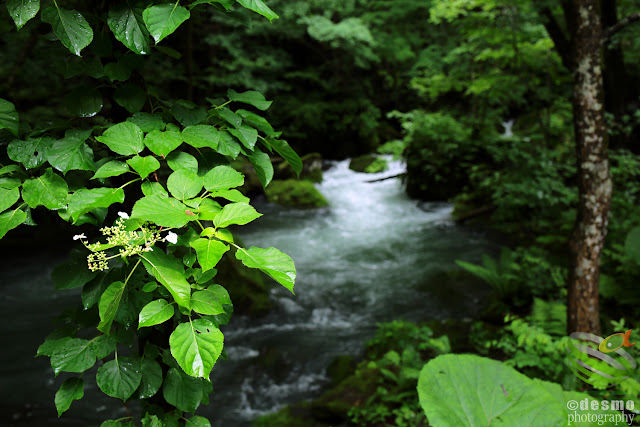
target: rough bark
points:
(594, 181)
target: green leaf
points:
(154, 313)
(104, 345)
(227, 145)
(69, 153)
(209, 253)
(109, 303)
(160, 266)
(70, 26)
(117, 71)
(151, 379)
(83, 200)
(10, 220)
(86, 101)
(184, 184)
(10, 183)
(130, 96)
(196, 346)
(8, 116)
(164, 19)
(9, 169)
(235, 213)
(70, 390)
(223, 178)
(287, 153)
(163, 143)
(197, 421)
(257, 122)
(262, 165)
(153, 189)
(49, 190)
(21, 12)
(166, 212)
(124, 138)
(182, 391)
(147, 122)
(144, 165)
(230, 117)
(250, 97)
(188, 114)
(247, 135)
(128, 28)
(224, 235)
(207, 208)
(8, 197)
(32, 152)
(260, 8)
(210, 301)
(225, 3)
(120, 377)
(112, 168)
(179, 160)
(231, 195)
(272, 262)
(201, 136)
(71, 274)
(74, 355)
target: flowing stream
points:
(365, 259)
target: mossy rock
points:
(297, 194)
(298, 415)
(368, 163)
(311, 169)
(340, 368)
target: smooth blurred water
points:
(365, 259)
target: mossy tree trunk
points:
(594, 182)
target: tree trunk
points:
(594, 182)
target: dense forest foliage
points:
(480, 98)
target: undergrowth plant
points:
(151, 305)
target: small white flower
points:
(171, 237)
(123, 215)
(79, 236)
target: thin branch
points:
(620, 25)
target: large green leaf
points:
(49, 190)
(21, 12)
(257, 122)
(236, 213)
(179, 160)
(154, 313)
(120, 377)
(10, 220)
(188, 114)
(85, 101)
(144, 165)
(231, 195)
(128, 27)
(70, 26)
(182, 391)
(71, 152)
(209, 252)
(160, 266)
(154, 189)
(147, 122)
(468, 390)
(250, 97)
(164, 19)
(163, 142)
(224, 3)
(8, 197)
(184, 184)
(287, 153)
(229, 116)
(74, 355)
(196, 346)
(247, 135)
(71, 274)
(109, 303)
(223, 178)
(197, 421)
(277, 265)
(104, 345)
(211, 300)
(70, 390)
(201, 136)
(32, 152)
(151, 379)
(130, 96)
(262, 165)
(207, 208)
(83, 200)
(227, 145)
(260, 8)
(112, 168)
(163, 211)
(124, 138)
(8, 116)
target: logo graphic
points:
(600, 362)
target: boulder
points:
(296, 194)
